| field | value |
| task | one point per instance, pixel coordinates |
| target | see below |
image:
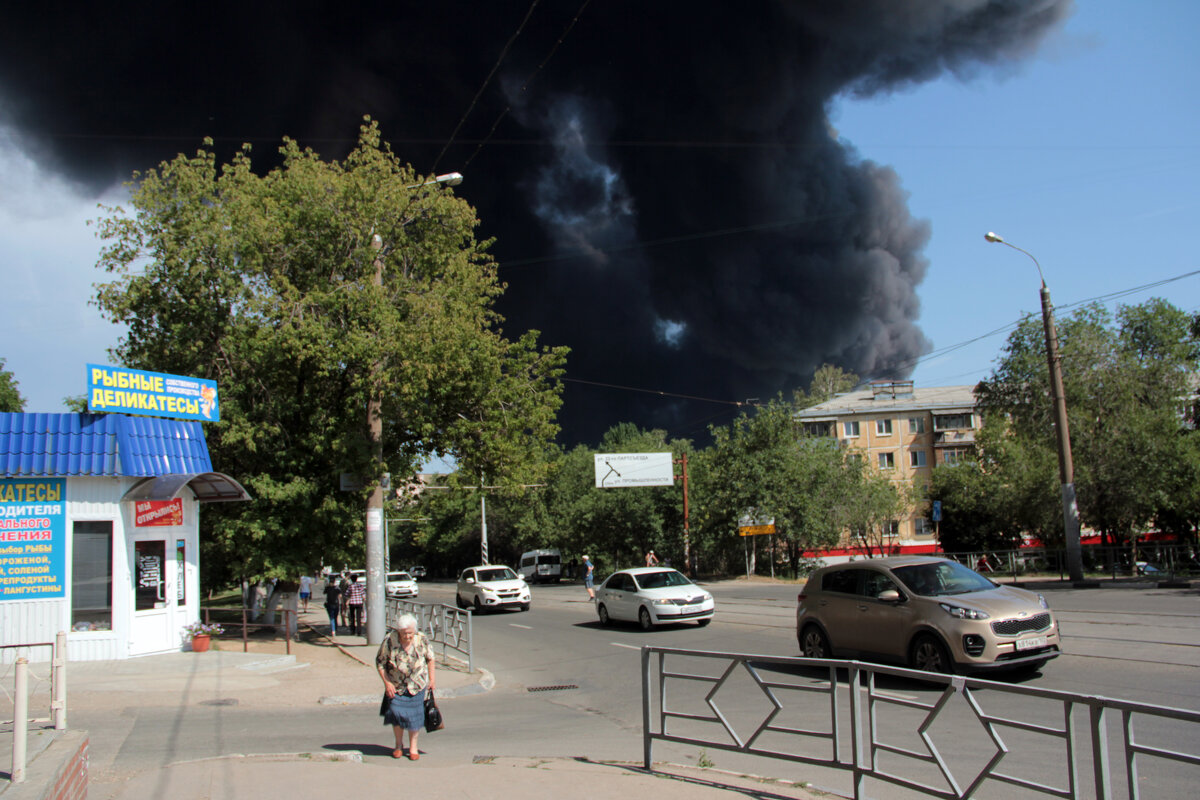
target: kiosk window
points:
(91, 575)
(149, 580)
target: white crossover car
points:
(491, 586)
(401, 584)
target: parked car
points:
(540, 565)
(930, 613)
(417, 571)
(653, 596)
(492, 586)
(400, 584)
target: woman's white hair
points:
(405, 622)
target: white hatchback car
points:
(401, 584)
(492, 586)
(653, 596)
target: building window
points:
(887, 460)
(916, 424)
(916, 458)
(850, 429)
(883, 427)
(955, 455)
(922, 527)
(818, 428)
(892, 527)
(91, 575)
(949, 422)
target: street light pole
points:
(1066, 466)
(376, 622)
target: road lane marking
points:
(526, 627)
(629, 646)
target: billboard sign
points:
(634, 469)
(33, 538)
(156, 394)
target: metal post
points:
(1100, 751)
(483, 542)
(20, 719)
(1066, 465)
(856, 723)
(58, 682)
(647, 742)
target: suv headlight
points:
(658, 601)
(958, 612)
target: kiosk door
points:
(153, 628)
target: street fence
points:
(227, 618)
(20, 699)
(443, 625)
(871, 731)
(1166, 563)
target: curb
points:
(354, 756)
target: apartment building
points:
(904, 432)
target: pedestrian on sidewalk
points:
(356, 595)
(333, 604)
(651, 559)
(306, 583)
(406, 664)
(344, 585)
(589, 574)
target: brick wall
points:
(60, 772)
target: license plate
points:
(1031, 644)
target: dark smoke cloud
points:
(668, 195)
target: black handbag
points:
(433, 715)
(384, 704)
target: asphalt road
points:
(566, 686)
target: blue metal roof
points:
(113, 445)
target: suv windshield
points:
(502, 574)
(659, 580)
(942, 577)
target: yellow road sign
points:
(755, 530)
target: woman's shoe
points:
(413, 755)
(397, 753)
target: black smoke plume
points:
(667, 192)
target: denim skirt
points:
(407, 711)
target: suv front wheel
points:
(928, 654)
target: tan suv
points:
(930, 613)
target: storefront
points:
(99, 531)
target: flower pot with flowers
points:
(200, 634)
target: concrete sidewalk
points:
(322, 671)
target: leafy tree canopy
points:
(10, 395)
(267, 284)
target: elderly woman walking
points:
(406, 665)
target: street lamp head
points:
(993, 237)
(449, 179)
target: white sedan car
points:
(401, 584)
(491, 586)
(653, 596)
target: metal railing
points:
(223, 614)
(1151, 561)
(852, 739)
(58, 699)
(443, 625)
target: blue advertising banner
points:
(156, 394)
(33, 538)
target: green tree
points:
(1125, 380)
(827, 382)
(266, 283)
(763, 462)
(10, 395)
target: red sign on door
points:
(151, 513)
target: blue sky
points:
(1086, 154)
